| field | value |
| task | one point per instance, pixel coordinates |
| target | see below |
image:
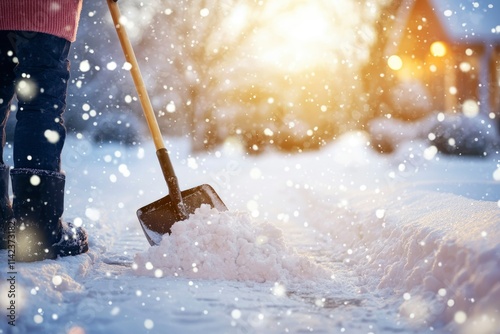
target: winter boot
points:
(38, 206)
(6, 215)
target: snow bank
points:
(226, 245)
(439, 252)
(44, 292)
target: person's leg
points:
(41, 83)
(37, 182)
(7, 65)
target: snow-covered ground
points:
(341, 240)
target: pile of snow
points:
(447, 271)
(226, 245)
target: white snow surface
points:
(340, 240)
(226, 245)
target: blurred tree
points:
(216, 68)
(188, 47)
(377, 81)
(205, 56)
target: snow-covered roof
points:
(462, 21)
(469, 21)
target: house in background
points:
(453, 49)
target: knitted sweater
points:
(55, 17)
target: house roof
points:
(469, 21)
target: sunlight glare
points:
(298, 39)
(438, 49)
(395, 62)
(304, 26)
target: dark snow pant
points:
(35, 69)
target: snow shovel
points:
(158, 217)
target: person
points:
(35, 38)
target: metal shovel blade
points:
(158, 217)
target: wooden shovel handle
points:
(161, 151)
(147, 108)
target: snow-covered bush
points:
(462, 135)
(386, 134)
(124, 128)
(98, 81)
(410, 100)
(449, 133)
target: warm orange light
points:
(438, 49)
(395, 62)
